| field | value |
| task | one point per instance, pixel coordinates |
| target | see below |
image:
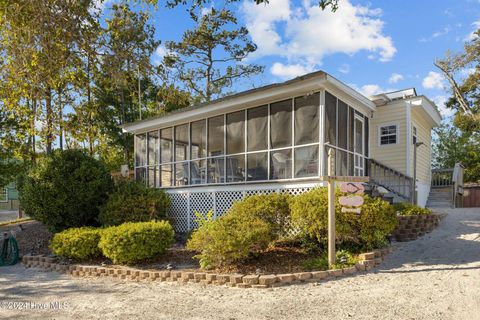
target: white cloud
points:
(344, 68)
(433, 80)
(305, 34)
(288, 71)
(440, 102)
(370, 90)
(471, 36)
(437, 34)
(159, 54)
(395, 77)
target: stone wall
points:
(411, 227)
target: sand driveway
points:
(435, 277)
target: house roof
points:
(308, 81)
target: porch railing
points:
(391, 179)
(450, 178)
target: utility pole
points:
(331, 206)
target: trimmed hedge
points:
(370, 229)
(136, 241)
(250, 226)
(77, 243)
(133, 201)
(65, 190)
(407, 209)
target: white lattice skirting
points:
(187, 201)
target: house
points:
(275, 139)
(9, 197)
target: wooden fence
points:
(471, 198)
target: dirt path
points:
(436, 277)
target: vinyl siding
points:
(424, 152)
(393, 155)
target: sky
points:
(373, 46)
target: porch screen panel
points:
(235, 168)
(166, 175)
(257, 128)
(342, 124)
(281, 164)
(341, 158)
(330, 119)
(166, 145)
(236, 132)
(257, 166)
(153, 143)
(367, 136)
(216, 170)
(198, 139)
(140, 150)
(351, 118)
(198, 172)
(181, 173)
(181, 142)
(306, 161)
(152, 177)
(141, 174)
(281, 124)
(215, 136)
(306, 119)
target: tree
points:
(333, 4)
(452, 145)
(465, 96)
(210, 57)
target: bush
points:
(65, 190)
(136, 241)
(407, 209)
(344, 258)
(133, 201)
(271, 208)
(369, 229)
(77, 243)
(229, 239)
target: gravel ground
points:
(435, 277)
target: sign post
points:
(352, 186)
(331, 207)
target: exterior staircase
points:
(446, 190)
(397, 186)
(440, 197)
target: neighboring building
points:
(275, 139)
(9, 197)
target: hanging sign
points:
(353, 201)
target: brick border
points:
(411, 227)
(367, 261)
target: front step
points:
(440, 197)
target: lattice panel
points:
(201, 202)
(262, 191)
(225, 199)
(295, 191)
(178, 212)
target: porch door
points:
(359, 145)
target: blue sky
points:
(373, 46)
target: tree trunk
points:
(49, 120)
(60, 120)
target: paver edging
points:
(367, 261)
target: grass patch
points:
(6, 223)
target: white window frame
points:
(4, 192)
(397, 133)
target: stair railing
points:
(391, 179)
(450, 178)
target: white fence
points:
(187, 201)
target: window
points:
(257, 128)
(153, 147)
(198, 139)
(306, 161)
(140, 150)
(388, 134)
(257, 168)
(236, 132)
(215, 136)
(342, 124)
(306, 119)
(166, 145)
(281, 124)
(414, 134)
(236, 168)
(330, 119)
(281, 164)
(181, 142)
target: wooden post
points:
(331, 206)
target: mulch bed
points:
(32, 237)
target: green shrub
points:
(65, 190)
(136, 241)
(344, 259)
(271, 208)
(77, 243)
(133, 201)
(369, 229)
(411, 210)
(230, 238)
